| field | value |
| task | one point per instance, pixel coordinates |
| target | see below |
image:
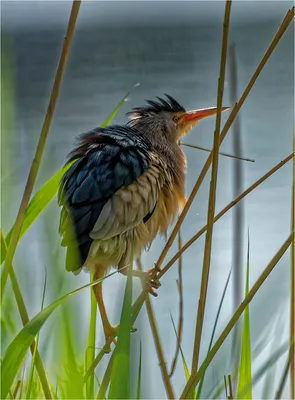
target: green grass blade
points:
(73, 383)
(48, 191)
(184, 364)
(38, 204)
(32, 366)
(213, 332)
(106, 380)
(270, 362)
(120, 375)
(138, 390)
(120, 104)
(245, 375)
(18, 348)
(90, 351)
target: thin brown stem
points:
(283, 379)
(106, 379)
(225, 386)
(223, 211)
(230, 387)
(40, 147)
(16, 389)
(212, 194)
(220, 153)
(180, 318)
(196, 375)
(158, 345)
(292, 289)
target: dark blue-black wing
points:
(104, 161)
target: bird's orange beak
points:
(195, 115)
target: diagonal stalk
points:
(212, 194)
(196, 375)
(180, 317)
(283, 27)
(41, 145)
(224, 210)
(193, 146)
(283, 380)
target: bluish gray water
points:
(168, 48)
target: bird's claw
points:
(152, 280)
(111, 332)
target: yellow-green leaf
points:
(18, 348)
(245, 374)
(120, 376)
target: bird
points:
(124, 185)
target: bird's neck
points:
(169, 150)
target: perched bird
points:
(125, 185)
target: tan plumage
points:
(120, 225)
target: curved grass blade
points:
(48, 191)
(213, 332)
(185, 367)
(38, 203)
(32, 366)
(120, 104)
(120, 374)
(25, 318)
(245, 374)
(73, 384)
(18, 348)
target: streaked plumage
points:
(125, 186)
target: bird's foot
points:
(152, 281)
(111, 332)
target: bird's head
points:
(167, 118)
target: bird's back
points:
(118, 188)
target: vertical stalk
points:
(157, 340)
(40, 147)
(212, 195)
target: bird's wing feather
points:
(109, 168)
(129, 205)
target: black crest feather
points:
(169, 105)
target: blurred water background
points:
(168, 47)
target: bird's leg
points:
(109, 330)
(148, 278)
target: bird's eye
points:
(175, 118)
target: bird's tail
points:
(76, 256)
